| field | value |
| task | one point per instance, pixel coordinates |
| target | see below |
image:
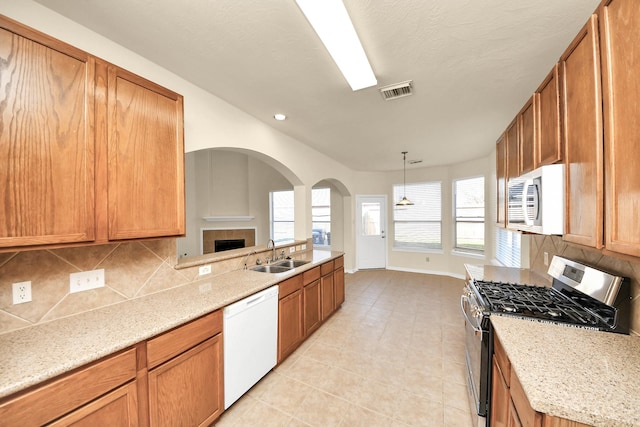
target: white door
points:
(371, 236)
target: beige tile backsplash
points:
(554, 245)
(132, 269)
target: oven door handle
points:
(475, 326)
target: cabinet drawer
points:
(65, 394)
(326, 268)
(176, 341)
(311, 275)
(290, 285)
(338, 262)
(502, 360)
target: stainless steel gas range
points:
(580, 296)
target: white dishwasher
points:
(250, 333)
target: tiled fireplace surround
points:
(139, 268)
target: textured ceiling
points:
(473, 64)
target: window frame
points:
(456, 220)
(272, 221)
(399, 190)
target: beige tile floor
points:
(393, 355)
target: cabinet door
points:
(290, 324)
(118, 408)
(187, 390)
(620, 36)
(513, 150)
(528, 135)
(500, 398)
(328, 295)
(46, 139)
(312, 307)
(514, 420)
(145, 158)
(501, 175)
(338, 283)
(582, 135)
(549, 147)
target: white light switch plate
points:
(85, 280)
(204, 269)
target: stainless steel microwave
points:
(535, 201)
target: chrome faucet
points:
(272, 245)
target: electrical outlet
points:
(204, 269)
(292, 249)
(426, 259)
(85, 280)
(304, 246)
(21, 292)
(546, 259)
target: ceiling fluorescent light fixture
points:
(330, 20)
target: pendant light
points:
(404, 201)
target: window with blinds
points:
(282, 215)
(469, 214)
(321, 216)
(419, 226)
(508, 245)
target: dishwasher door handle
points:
(256, 300)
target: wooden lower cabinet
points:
(118, 408)
(290, 316)
(186, 374)
(74, 395)
(312, 307)
(509, 404)
(328, 295)
(187, 390)
(338, 283)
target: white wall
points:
(212, 123)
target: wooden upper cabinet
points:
(620, 42)
(549, 140)
(145, 158)
(89, 153)
(582, 136)
(513, 150)
(46, 139)
(527, 135)
(501, 179)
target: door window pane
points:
(370, 219)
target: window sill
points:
(477, 255)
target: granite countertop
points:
(31, 355)
(587, 376)
(506, 274)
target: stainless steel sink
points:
(271, 268)
(292, 263)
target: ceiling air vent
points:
(397, 90)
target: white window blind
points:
(282, 215)
(469, 214)
(508, 245)
(418, 227)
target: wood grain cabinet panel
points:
(187, 390)
(513, 150)
(620, 42)
(145, 158)
(582, 135)
(312, 307)
(328, 295)
(46, 139)
(338, 283)
(71, 392)
(501, 181)
(290, 323)
(528, 135)
(549, 141)
(118, 408)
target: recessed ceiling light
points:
(330, 20)
(279, 117)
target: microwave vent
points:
(397, 90)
